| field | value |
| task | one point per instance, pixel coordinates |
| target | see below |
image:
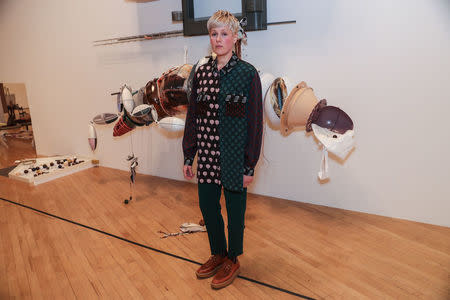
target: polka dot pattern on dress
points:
(207, 121)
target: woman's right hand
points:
(187, 171)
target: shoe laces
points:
(212, 260)
(227, 266)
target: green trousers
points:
(209, 199)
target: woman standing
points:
(224, 126)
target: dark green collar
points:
(229, 66)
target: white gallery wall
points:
(386, 63)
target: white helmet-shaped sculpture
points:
(173, 124)
(142, 114)
(127, 98)
(266, 81)
(275, 97)
(92, 137)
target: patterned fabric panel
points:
(207, 125)
(235, 85)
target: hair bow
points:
(241, 32)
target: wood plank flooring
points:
(17, 149)
(315, 251)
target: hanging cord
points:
(131, 143)
(264, 140)
(133, 164)
(185, 54)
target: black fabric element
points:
(209, 200)
(201, 108)
(151, 248)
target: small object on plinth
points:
(46, 169)
(35, 175)
(126, 201)
(95, 161)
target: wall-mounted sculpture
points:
(164, 101)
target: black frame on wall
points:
(254, 10)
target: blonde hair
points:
(223, 18)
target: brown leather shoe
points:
(211, 267)
(227, 273)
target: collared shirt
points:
(202, 134)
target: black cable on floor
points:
(153, 249)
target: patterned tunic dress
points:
(220, 110)
(207, 125)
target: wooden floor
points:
(315, 251)
(17, 149)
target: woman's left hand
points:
(247, 180)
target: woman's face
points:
(222, 40)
